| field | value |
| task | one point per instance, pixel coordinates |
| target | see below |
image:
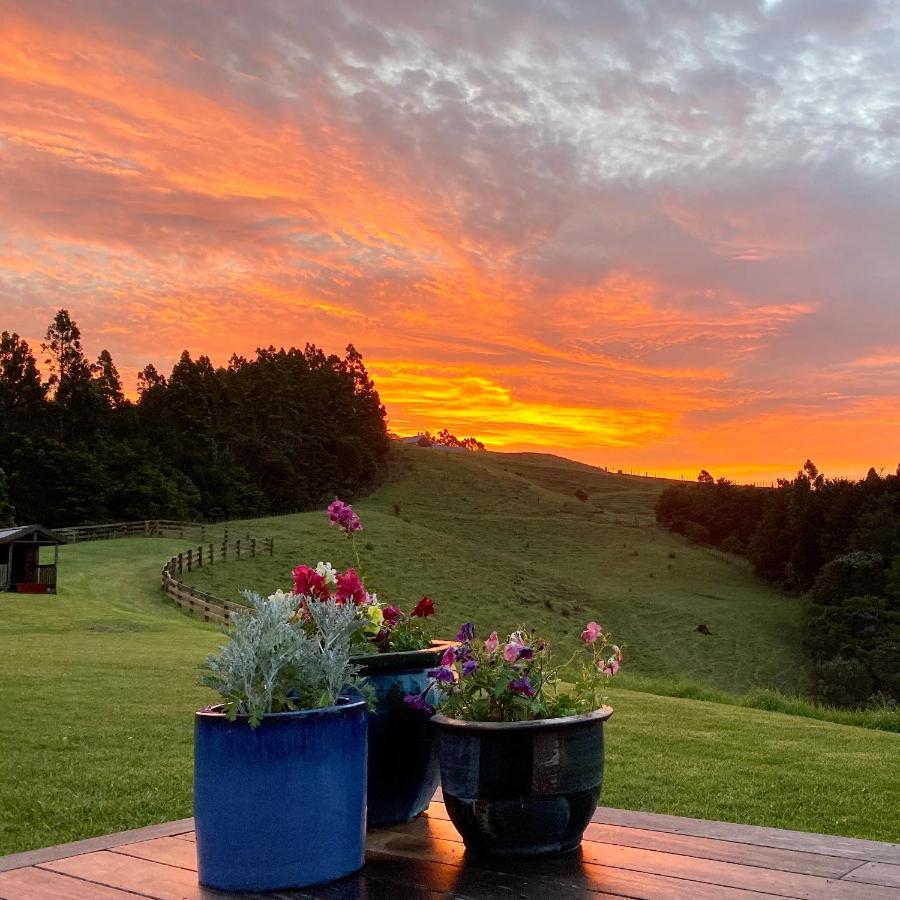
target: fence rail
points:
(199, 603)
(145, 528)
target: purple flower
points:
(591, 632)
(391, 615)
(469, 666)
(522, 686)
(419, 703)
(442, 673)
(342, 515)
(466, 632)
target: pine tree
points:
(21, 389)
(65, 358)
(108, 382)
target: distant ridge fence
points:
(200, 603)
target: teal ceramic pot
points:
(282, 805)
(522, 788)
(403, 763)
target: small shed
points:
(22, 568)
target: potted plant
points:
(521, 755)
(395, 651)
(280, 763)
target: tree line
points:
(834, 540)
(280, 431)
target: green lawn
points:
(99, 682)
(97, 685)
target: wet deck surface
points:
(625, 854)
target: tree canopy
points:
(281, 431)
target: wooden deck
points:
(625, 854)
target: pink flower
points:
(342, 515)
(349, 587)
(449, 657)
(309, 582)
(391, 615)
(492, 643)
(517, 649)
(591, 632)
(610, 667)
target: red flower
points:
(391, 615)
(309, 583)
(349, 587)
(425, 607)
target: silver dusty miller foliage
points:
(272, 664)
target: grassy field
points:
(502, 539)
(97, 686)
(99, 682)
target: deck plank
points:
(559, 878)
(876, 873)
(36, 884)
(90, 845)
(761, 836)
(167, 850)
(798, 861)
(422, 834)
(148, 879)
(638, 855)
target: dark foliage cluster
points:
(836, 540)
(445, 438)
(279, 432)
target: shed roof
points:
(36, 533)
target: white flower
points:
(281, 595)
(326, 570)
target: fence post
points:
(224, 551)
(200, 556)
(190, 557)
(252, 546)
(180, 563)
(238, 548)
(212, 555)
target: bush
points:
(696, 533)
(841, 682)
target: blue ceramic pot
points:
(282, 805)
(403, 764)
(522, 788)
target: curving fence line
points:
(199, 603)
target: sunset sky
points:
(656, 236)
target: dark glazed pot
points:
(522, 788)
(403, 764)
(282, 805)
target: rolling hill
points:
(503, 539)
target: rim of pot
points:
(377, 660)
(598, 715)
(216, 711)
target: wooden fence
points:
(145, 528)
(199, 603)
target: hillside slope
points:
(503, 539)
